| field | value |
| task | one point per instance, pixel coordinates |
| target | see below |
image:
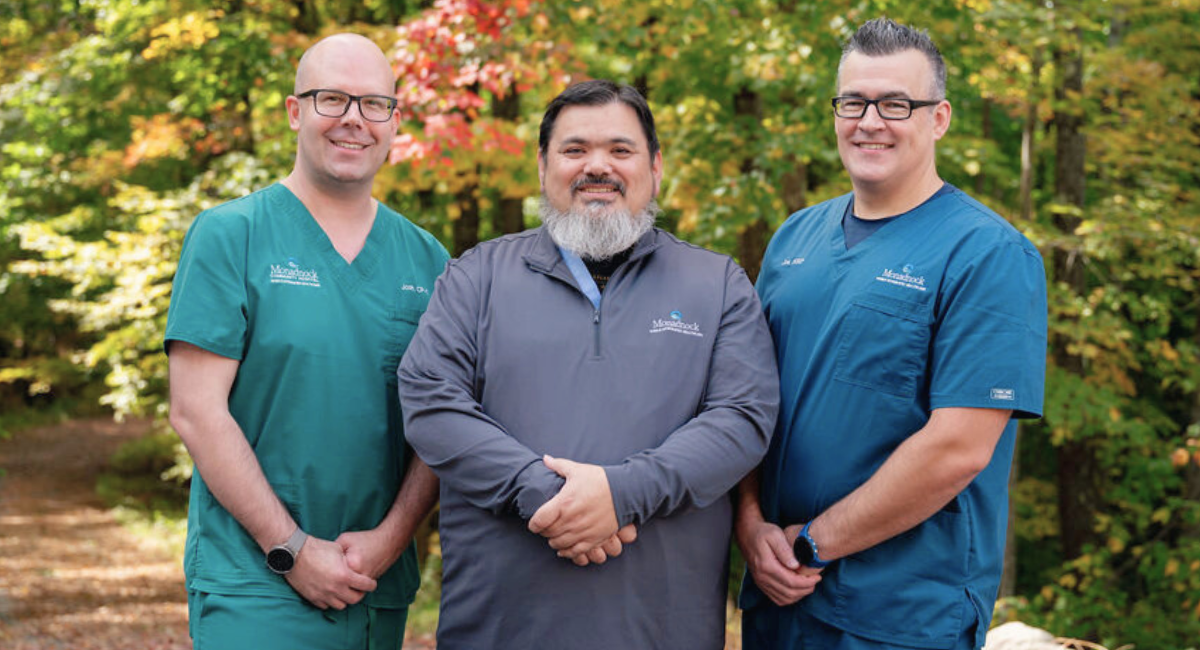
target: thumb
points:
(545, 516)
(560, 466)
(778, 544)
(354, 562)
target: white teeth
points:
(873, 146)
(351, 145)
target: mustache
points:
(598, 180)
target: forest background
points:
(1079, 121)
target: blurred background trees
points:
(1078, 121)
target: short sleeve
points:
(989, 345)
(208, 297)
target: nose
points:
(597, 164)
(871, 120)
(353, 114)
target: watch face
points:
(803, 551)
(280, 560)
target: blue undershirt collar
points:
(583, 277)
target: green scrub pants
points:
(218, 622)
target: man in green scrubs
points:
(290, 311)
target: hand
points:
(581, 516)
(369, 552)
(768, 552)
(611, 547)
(323, 578)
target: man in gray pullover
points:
(582, 384)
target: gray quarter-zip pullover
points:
(670, 385)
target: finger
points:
(360, 582)
(596, 555)
(627, 533)
(565, 541)
(580, 560)
(777, 542)
(612, 546)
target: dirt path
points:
(70, 575)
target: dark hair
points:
(884, 37)
(598, 92)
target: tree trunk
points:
(1078, 470)
(795, 187)
(466, 226)
(508, 216)
(1028, 133)
(985, 111)
(752, 241)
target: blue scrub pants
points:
(218, 622)
(776, 628)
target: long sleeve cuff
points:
(538, 484)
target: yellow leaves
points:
(1180, 457)
(1114, 414)
(1161, 516)
(1116, 544)
(188, 31)
(1067, 580)
(1171, 569)
(161, 136)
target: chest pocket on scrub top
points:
(403, 316)
(882, 345)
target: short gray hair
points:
(884, 37)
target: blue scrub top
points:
(946, 307)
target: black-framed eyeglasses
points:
(335, 103)
(891, 108)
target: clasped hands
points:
(580, 521)
(767, 549)
(340, 573)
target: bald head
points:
(340, 53)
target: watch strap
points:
(816, 562)
(296, 541)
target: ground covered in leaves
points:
(71, 576)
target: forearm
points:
(748, 507)
(418, 493)
(921, 476)
(468, 450)
(232, 473)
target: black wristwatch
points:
(282, 558)
(805, 548)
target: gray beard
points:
(597, 233)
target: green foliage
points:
(148, 475)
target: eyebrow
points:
(580, 140)
(894, 94)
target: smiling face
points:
(598, 160)
(338, 154)
(891, 158)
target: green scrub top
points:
(319, 341)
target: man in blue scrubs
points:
(290, 311)
(910, 328)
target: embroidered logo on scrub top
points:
(291, 272)
(674, 323)
(794, 261)
(1006, 394)
(906, 278)
(415, 288)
